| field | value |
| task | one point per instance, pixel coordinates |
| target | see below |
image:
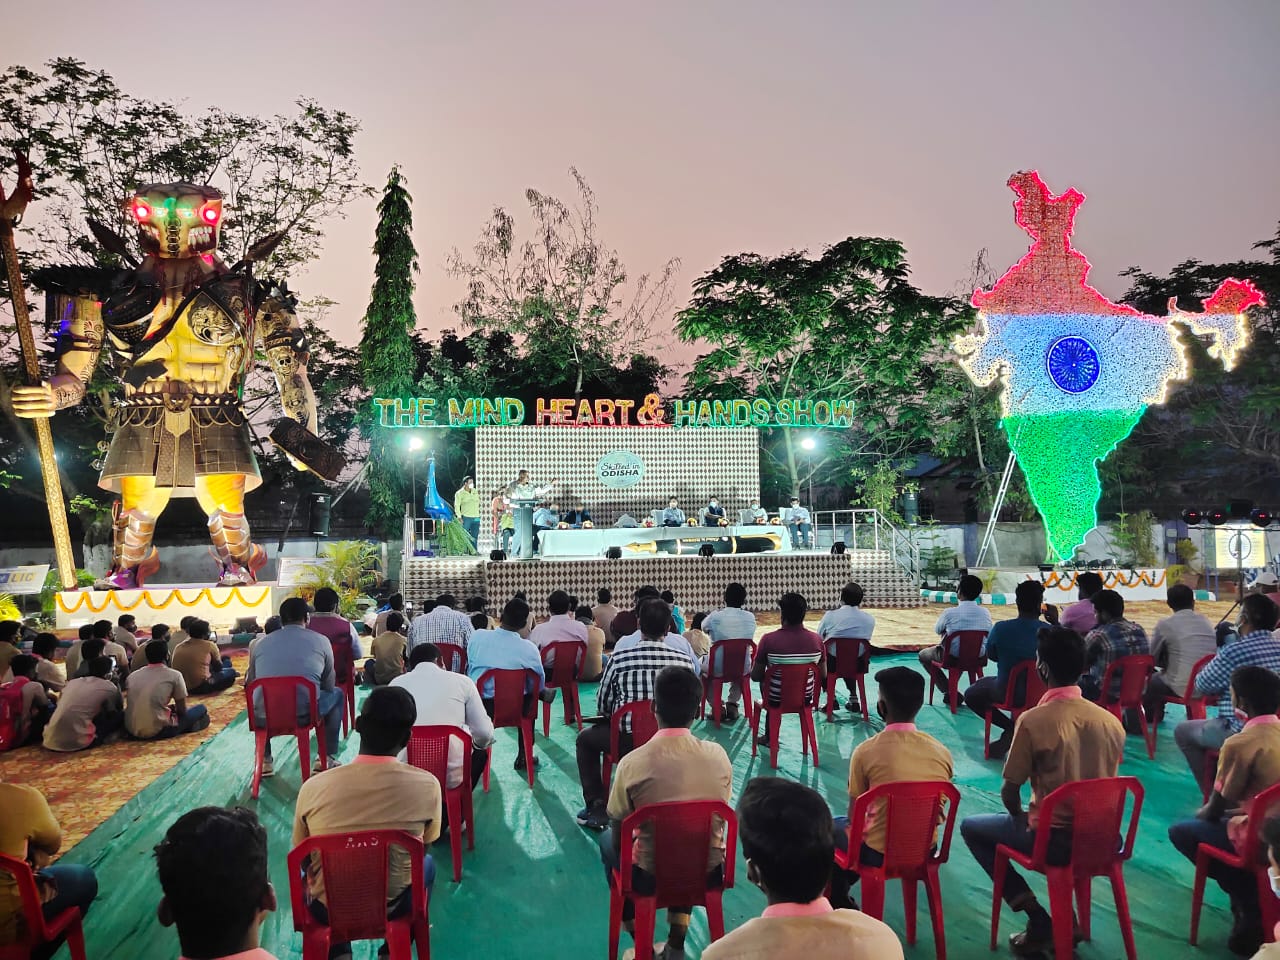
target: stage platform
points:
(652, 541)
(221, 606)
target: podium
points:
(522, 512)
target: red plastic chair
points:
(1253, 857)
(429, 750)
(355, 885)
(800, 685)
(644, 724)
(563, 676)
(730, 653)
(344, 675)
(1133, 674)
(1028, 677)
(912, 849)
(279, 703)
(453, 656)
(682, 834)
(509, 688)
(852, 660)
(1197, 705)
(1097, 819)
(969, 660)
(39, 931)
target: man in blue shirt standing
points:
(1009, 643)
(505, 649)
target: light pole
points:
(415, 444)
(809, 444)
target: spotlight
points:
(1193, 518)
(614, 553)
(497, 556)
(838, 548)
(1217, 516)
(706, 550)
(1261, 517)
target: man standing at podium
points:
(523, 488)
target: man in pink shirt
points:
(560, 627)
(1081, 616)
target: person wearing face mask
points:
(1248, 764)
(898, 754)
(713, 513)
(756, 513)
(1271, 837)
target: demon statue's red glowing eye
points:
(210, 215)
(141, 211)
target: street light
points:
(809, 444)
(415, 444)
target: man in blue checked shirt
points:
(1256, 647)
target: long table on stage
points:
(654, 541)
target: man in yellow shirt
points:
(466, 504)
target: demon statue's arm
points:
(75, 367)
(286, 348)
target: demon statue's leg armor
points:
(240, 557)
(133, 558)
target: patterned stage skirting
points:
(697, 582)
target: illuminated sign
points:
(619, 469)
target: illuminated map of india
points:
(1076, 370)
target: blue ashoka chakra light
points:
(1073, 364)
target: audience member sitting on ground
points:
(26, 697)
(673, 766)
(29, 831)
(387, 648)
(449, 699)
(181, 633)
(1114, 637)
(1256, 647)
(10, 643)
(104, 631)
(89, 711)
(561, 627)
(677, 617)
(203, 667)
(847, 620)
(159, 631)
(125, 633)
(395, 604)
(603, 613)
(505, 649)
(44, 647)
(1010, 643)
(91, 649)
(295, 651)
(593, 664)
(1063, 739)
(629, 677)
(213, 870)
(374, 792)
(71, 663)
(1178, 642)
(440, 624)
(1248, 764)
(1081, 616)
(900, 753)
(697, 637)
(730, 622)
(156, 706)
(787, 839)
(967, 614)
(791, 643)
(1271, 837)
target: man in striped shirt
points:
(791, 643)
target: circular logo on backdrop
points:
(619, 469)
(1073, 364)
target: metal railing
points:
(864, 529)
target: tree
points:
(559, 296)
(847, 325)
(387, 359)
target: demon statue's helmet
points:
(177, 219)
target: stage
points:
(638, 541)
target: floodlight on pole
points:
(809, 444)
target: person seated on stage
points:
(440, 623)
(201, 663)
(1114, 637)
(104, 631)
(791, 643)
(602, 615)
(448, 699)
(395, 604)
(1009, 643)
(1178, 642)
(561, 627)
(71, 663)
(1063, 739)
(1081, 615)
(156, 705)
(697, 637)
(506, 648)
(466, 504)
(29, 831)
(787, 839)
(712, 513)
(506, 524)
(387, 661)
(848, 620)
(374, 791)
(212, 866)
(576, 517)
(898, 754)
(730, 622)
(26, 696)
(125, 633)
(677, 617)
(967, 614)
(159, 631)
(800, 524)
(628, 677)
(673, 516)
(674, 766)
(593, 664)
(546, 517)
(1248, 764)
(89, 711)
(756, 513)
(44, 647)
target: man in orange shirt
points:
(1062, 739)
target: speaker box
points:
(318, 514)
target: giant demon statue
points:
(183, 327)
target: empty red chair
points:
(509, 688)
(644, 724)
(1025, 678)
(453, 656)
(39, 931)
(1130, 675)
(682, 834)
(1252, 858)
(849, 659)
(968, 660)
(734, 657)
(278, 698)
(344, 675)
(429, 750)
(355, 886)
(913, 848)
(800, 685)
(563, 676)
(1096, 823)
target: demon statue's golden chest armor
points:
(182, 327)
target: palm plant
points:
(350, 567)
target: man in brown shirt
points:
(1062, 739)
(603, 613)
(673, 766)
(201, 663)
(1248, 763)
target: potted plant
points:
(1185, 570)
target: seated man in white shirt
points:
(561, 627)
(756, 513)
(451, 699)
(1178, 642)
(801, 525)
(730, 622)
(965, 615)
(673, 516)
(546, 517)
(847, 620)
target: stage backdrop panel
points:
(655, 462)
